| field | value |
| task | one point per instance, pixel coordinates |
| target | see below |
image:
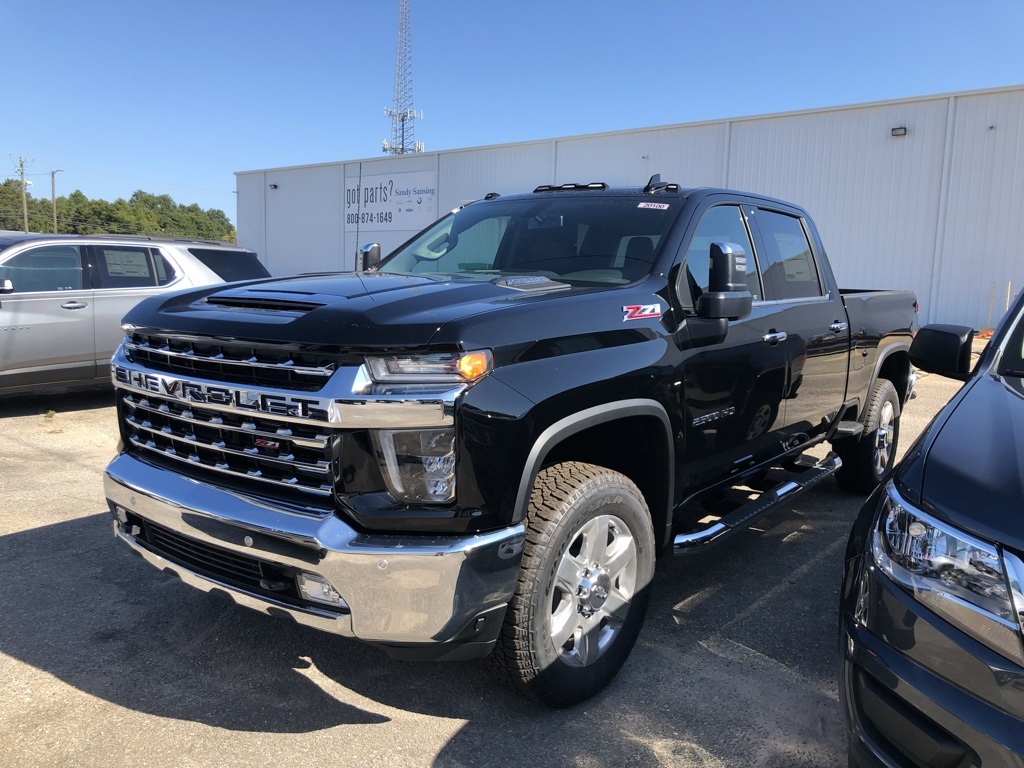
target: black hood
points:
(974, 466)
(379, 312)
(354, 310)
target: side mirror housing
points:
(727, 296)
(369, 257)
(943, 349)
(6, 286)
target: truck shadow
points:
(750, 659)
(83, 610)
(56, 401)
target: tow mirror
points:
(6, 286)
(943, 349)
(369, 257)
(727, 296)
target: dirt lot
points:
(104, 661)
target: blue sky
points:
(174, 97)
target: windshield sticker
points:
(641, 312)
(656, 206)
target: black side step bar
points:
(812, 474)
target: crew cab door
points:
(810, 320)
(124, 275)
(46, 323)
(732, 392)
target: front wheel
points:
(583, 587)
(868, 461)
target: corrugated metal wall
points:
(981, 252)
(938, 210)
(873, 196)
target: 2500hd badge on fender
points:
(480, 445)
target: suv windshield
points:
(575, 240)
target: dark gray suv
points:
(932, 608)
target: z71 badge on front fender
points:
(641, 311)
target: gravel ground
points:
(104, 661)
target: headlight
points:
(419, 465)
(961, 578)
(446, 366)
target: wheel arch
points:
(893, 364)
(640, 424)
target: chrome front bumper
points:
(401, 590)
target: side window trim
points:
(753, 259)
(90, 276)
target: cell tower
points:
(403, 116)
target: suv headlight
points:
(965, 580)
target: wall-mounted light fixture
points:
(899, 131)
(274, 186)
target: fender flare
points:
(590, 417)
(890, 350)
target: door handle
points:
(838, 327)
(774, 337)
(73, 305)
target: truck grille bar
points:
(264, 365)
(250, 448)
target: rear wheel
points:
(868, 460)
(583, 588)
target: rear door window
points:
(787, 262)
(131, 266)
(230, 266)
(124, 266)
(46, 268)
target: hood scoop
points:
(261, 302)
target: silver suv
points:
(62, 298)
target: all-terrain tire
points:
(583, 587)
(869, 458)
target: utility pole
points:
(24, 195)
(53, 195)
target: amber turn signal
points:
(473, 365)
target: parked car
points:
(932, 607)
(62, 298)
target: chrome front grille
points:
(256, 448)
(278, 366)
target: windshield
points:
(575, 240)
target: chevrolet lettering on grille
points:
(210, 394)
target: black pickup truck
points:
(480, 445)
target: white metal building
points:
(937, 207)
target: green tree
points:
(142, 214)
